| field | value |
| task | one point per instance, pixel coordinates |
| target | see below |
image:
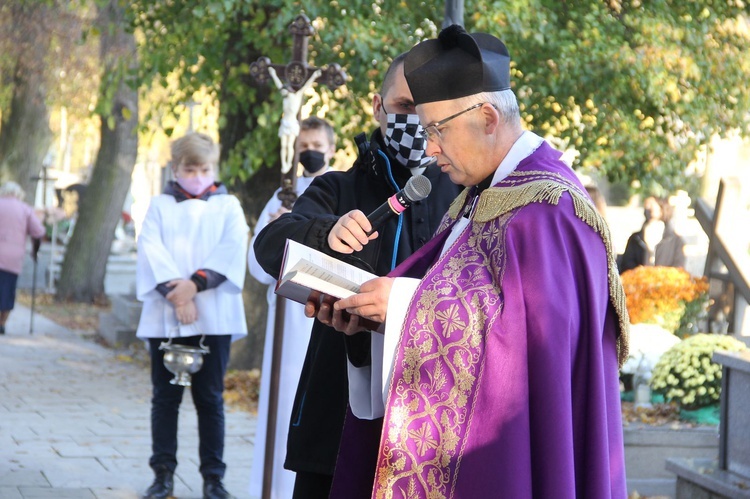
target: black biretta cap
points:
(456, 64)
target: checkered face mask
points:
(403, 138)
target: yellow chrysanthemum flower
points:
(699, 384)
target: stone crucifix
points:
(293, 80)
(289, 127)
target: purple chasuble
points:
(505, 379)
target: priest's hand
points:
(350, 233)
(314, 302)
(370, 303)
(320, 306)
(186, 313)
(183, 291)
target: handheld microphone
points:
(417, 188)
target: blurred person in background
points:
(316, 144)
(17, 221)
(656, 243)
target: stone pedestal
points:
(118, 327)
(729, 475)
(648, 447)
(703, 479)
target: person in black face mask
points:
(316, 144)
(322, 218)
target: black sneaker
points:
(214, 489)
(163, 485)
(2, 329)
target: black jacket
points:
(322, 393)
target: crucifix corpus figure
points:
(289, 127)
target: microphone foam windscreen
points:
(417, 188)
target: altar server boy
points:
(190, 274)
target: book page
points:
(308, 267)
(325, 275)
(302, 287)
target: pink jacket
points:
(17, 220)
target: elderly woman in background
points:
(17, 220)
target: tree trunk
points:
(85, 264)
(25, 135)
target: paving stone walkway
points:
(74, 421)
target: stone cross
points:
(296, 74)
(45, 178)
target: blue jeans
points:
(207, 389)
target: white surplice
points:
(177, 239)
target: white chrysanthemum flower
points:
(685, 373)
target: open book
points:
(305, 270)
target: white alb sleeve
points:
(368, 386)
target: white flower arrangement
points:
(648, 342)
(686, 374)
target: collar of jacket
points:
(370, 158)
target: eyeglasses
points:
(432, 131)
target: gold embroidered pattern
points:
(455, 208)
(432, 401)
(433, 393)
(528, 187)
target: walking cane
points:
(33, 299)
(35, 257)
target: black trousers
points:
(311, 485)
(207, 389)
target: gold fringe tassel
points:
(545, 187)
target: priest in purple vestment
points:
(497, 371)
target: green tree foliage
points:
(637, 88)
(212, 44)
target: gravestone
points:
(727, 476)
(648, 447)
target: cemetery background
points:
(234, 112)
(647, 446)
